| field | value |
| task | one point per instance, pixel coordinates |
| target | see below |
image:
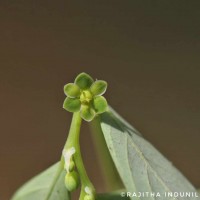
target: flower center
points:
(86, 97)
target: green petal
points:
(100, 104)
(72, 90)
(87, 113)
(84, 81)
(98, 87)
(72, 105)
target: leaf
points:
(111, 196)
(141, 167)
(49, 185)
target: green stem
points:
(111, 176)
(74, 131)
(73, 141)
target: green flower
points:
(85, 95)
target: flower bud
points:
(72, 181)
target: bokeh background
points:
(148, 51)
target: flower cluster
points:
(85, 95)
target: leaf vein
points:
(150, 167)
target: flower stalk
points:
(73, 142)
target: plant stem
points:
(74, 131)
(111, 176)
(73, 141)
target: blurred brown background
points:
(148, 51)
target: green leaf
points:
(100, 104)
(84, 81)
(49, 185)
(111, 196)
(141, 167)
(72, 90)
(98, 87)
(72, 105)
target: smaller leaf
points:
(49, 185)
(72, 90)
(100, 104)
(72, 105)
(87, 113)
(98, 87)
(84, 81)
